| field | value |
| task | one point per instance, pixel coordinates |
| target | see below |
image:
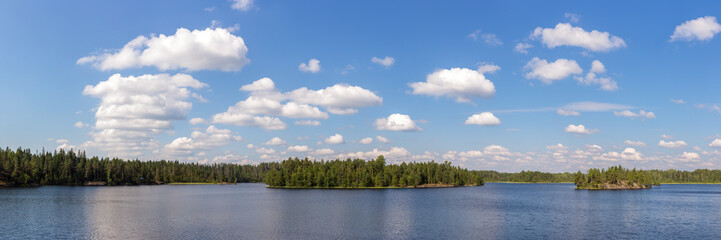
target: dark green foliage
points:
(24, 168)
(527, 177)
(676, 176)
(658, 176)
(613, 176)
(357, 173)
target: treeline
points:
(659, 176)
(358, 173)
(527, 177)
(24, 168)
(676, 176)
(615, 177)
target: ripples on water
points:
(251, 211)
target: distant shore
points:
(524, 182)
(691, 183)
(199, 183)
(387, 187)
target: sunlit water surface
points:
(252, 211)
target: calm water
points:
(251, 211)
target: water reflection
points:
(251, 211)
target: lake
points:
(252, 211)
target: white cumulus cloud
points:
(313, 66)
(592, 78)
(209, 49)
(262, 85)
(485, 118)
(702, 29)
(265, 104)
(631, 154)
(397, 122)
(382, 139)
(548, 72)
(133, 110)
(579, 129)
(299, 148)
(715, 143)
(367, 140)
(275, 141)
(672, 144)
(689, 157)
(566, 35)
(264, 151)
(335, 139)
(337, 99)
(459, 83)
(200, 140)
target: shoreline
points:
(389, 187)
(714, 183)
(198, 183)
(528, 182)
(674, 183)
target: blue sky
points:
(501, 85)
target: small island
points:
(613, 178)
(358, 173)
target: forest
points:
(358, 173)
(24, 168)
(660, 176)
(615, 177)
(527, 177)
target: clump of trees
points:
(613, 177)
(357, 173)
(24, 168)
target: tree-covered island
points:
(613, 178)
(357, 173)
